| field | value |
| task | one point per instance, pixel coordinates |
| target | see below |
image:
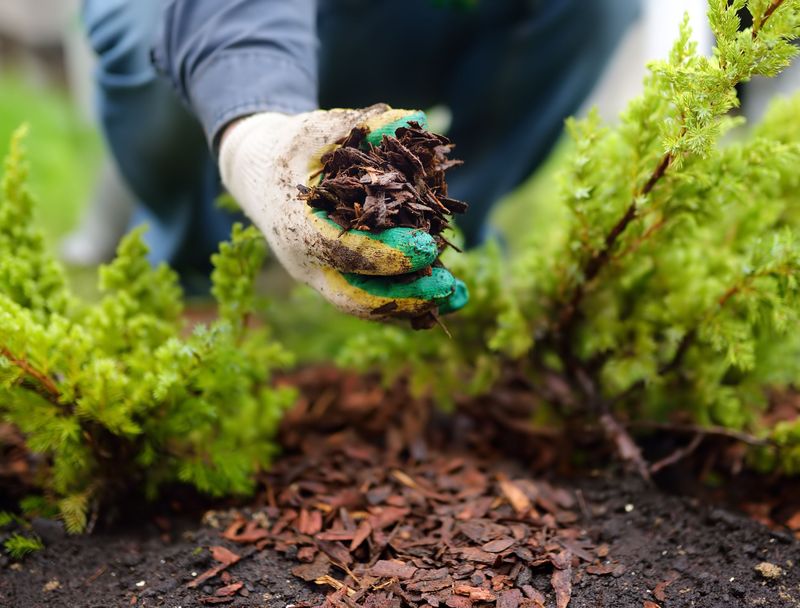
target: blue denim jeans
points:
(510, 71)
(157, 144)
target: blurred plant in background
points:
(63, 149)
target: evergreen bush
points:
(668, 289)
(119, 394)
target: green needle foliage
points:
(119, 395)
(670, 289)
(18, 545)
(15, 544)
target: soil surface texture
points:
(392, 507)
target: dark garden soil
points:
(379, 501)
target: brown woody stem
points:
(598, 261)
(776, 4)
(710, 431)
(44, 385)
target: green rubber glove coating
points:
(457, 300)
(437, 287)
(417, 245)
(375, 137)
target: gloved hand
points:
(262, 160)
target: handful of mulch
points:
(399, 183)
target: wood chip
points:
(474, 554)
(229, 590)
(519, 501)
(511, 598)
(247, 533)
(562, 583)
(225, 557)
(499, 545)
(362, 533)
(476, 594)
(316, 569)
(457, 601)
(392, 569)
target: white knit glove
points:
(262, 160)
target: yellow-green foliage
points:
(18, 545)
(115, 394)
(671, 286)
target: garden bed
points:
(397, 506)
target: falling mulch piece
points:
(400, 182)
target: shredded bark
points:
(382, 511)
(400, 182)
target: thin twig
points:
(678, 454)
(642, 239)
(707, 431)
(598, 261)
(776, 4)
(627, 447)
(50, 390)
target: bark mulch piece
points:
(17, 475)
(400, 182)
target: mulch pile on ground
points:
(400, 182)
(397, 523)
(445, 531)
(387, 502)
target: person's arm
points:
(232, 58)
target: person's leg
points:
(382, 51)
(104, 222)
(510, 71)
(159, 147)
(513, 90)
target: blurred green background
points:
(63, 149)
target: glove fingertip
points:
(436, 287)
(457, 300)
(376, 134)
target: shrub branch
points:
(43, 385)
(598, 261)
(776, 4)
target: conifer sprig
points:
(598, 260)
